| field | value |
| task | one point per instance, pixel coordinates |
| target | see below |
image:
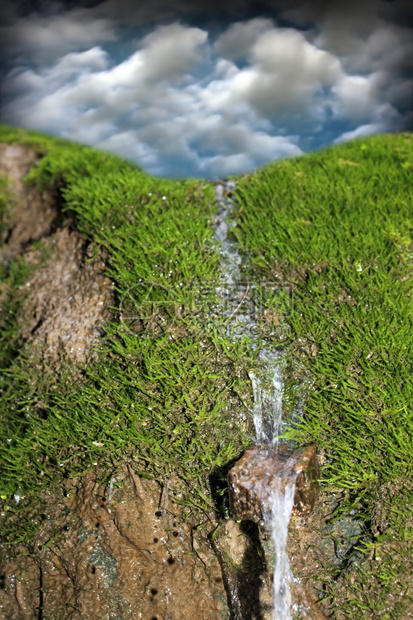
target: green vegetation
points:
(12, 275)
(160, 394)
(338, 225)
(334, 229)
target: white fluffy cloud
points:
(149, 108)
(172, 51)
(355, 96)
(384, 117)
(287, 71)
(363, 130)
(181, 104)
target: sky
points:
(207, 88)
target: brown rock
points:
(251, 479)
(250, 484)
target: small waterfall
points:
(233, 291)
(267, 416)
(267, 384)
(276, 521)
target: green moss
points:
(338, 226)
(160, 394)
(14, 275)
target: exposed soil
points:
(67, 298)
(34, 215)
(129, 554)
(131, 557)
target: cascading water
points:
(268, 394)
(276, 521)
(267, 387)
(282, 501)
(267, 417)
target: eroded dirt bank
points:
(65, 300)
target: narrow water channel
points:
(267, 385)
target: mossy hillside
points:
(337, 226)
(163, 394)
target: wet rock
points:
(250, 484)
(243, 563)
(251, 479)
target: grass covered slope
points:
(160, 394)
(167, 389)
(338, 226)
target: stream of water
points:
(268, 398)
(276, 521)
(267, 384)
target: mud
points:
(135, 556)
(132, 557)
